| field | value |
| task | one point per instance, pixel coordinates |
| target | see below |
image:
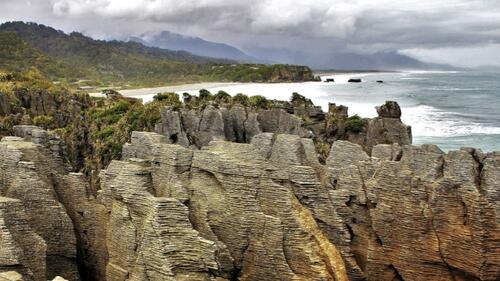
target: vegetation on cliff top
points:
(355, 124)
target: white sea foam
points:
(431, 71)
(413, 78)
(453, 89)
(430, 122)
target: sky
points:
(458, 32)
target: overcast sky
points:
(459, 32)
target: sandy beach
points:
(148, 92)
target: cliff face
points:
(268, 210)
(291, 73)
(264, 210)
(48, 220)
(236, 123)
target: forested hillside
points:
(71, 57)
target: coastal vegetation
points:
(355, 124)
(77, 60)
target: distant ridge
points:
(334, 59)
(198, 46)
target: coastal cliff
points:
(240, 122)
(216, 187)
(263, 210)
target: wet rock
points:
(390, 109)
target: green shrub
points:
(6, 76)
(355, 124)
(258, 101)
(241, 99)
(222, 97)
(168, 99)
(44, 121)
(6, 124)
(323, 149)
(205, 94)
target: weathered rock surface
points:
(390, 109)
(52, 207)
(238, 124)
(424, 217)
(267, 210)
(270, 211)
(21, 248)
(189, 127)
(26, 177)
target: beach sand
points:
(138, 93)
(269, 90)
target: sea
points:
(451, 109)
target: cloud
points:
(314, 26)
(475, 56)
(360, 23)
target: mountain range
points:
(323, 59)
(195, 45)
(315, 58)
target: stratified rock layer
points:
(48, 219)
(235, 123)
(270, 211)
(267, 210)
(225, 212)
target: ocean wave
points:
(429, 121)
(455, 89)
(413, 78)
(431, 71)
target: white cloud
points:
(420, 27)
(487, 55)
(358, 22)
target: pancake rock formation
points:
(237, 123)
(262, 210)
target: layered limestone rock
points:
(387, 128)
(264, 210)
(270, 211)
(227, 212)
(21, 248)
(192, 127)
(422, 215)
(237, 123)
(27, 177)
(62, 217)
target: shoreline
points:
(189, 87)
(169, 88)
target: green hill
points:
(17, 55)
(75, 56)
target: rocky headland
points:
(229, 189)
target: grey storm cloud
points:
(361, 26)
(384, 23)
